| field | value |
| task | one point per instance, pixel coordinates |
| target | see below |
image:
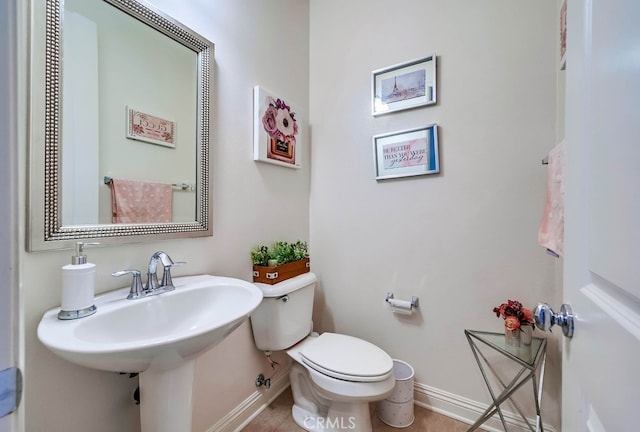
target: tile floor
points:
(277, 418)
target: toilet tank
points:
(284, 316)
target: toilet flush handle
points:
(284, 298)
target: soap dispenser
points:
(78, 286)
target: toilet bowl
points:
(333, 376)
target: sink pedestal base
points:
(165, 398)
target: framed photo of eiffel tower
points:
(404, 86)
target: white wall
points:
(253, 203)
(464, 241)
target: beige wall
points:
(464, 240)
(253, 203)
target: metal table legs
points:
(530, 371)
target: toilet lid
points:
(348, 358)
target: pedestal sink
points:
(158, 336)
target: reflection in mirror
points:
(126, 97)
(112, 64)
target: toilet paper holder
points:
(414, 303)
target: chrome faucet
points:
(152, 275)
(152, 287)
(166, 284)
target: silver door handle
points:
(546, 318)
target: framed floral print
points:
(276, 130)
(563, 35)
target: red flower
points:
(514, 312)
(512, 323)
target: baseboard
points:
(431, 398)
(241, 415)
(467, 410)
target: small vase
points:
(526, 332)
(512, 337)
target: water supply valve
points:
(262, 381)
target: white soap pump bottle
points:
(78, 286)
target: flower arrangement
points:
(515, 315)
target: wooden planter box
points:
(273, 275)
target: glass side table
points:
(531, 359)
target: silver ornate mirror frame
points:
(45, 229)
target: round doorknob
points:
(546, 318)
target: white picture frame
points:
(404, 86)
(406, 153)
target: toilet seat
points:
(347, 358)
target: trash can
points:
(397, 409)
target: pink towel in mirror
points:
(134, 201)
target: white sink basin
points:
(157, 336)
(162, 330)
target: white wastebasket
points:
(397, 409)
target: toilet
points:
(333, 376)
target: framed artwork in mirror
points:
(276, 130)
(406, 153)
(404, 86)
(149, 128)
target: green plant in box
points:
(260, 255)
(300, 250)
(282, 252)
(279, 262)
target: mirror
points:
(126, 98)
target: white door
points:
(8, 212)
(601, 363)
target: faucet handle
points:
(167, 282)
(137, 291)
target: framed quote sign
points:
(406, 153)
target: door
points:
(601, 377)
(9, 384)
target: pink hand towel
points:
(551, 231)
(135, 201)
